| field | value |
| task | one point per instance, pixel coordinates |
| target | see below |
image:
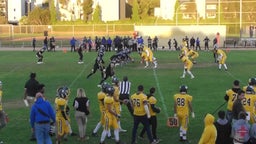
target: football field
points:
(207, 88)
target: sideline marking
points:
(161, 94)
(80, 74)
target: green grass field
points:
(208, 88)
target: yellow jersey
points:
(192, 53)
(60, 105)
(221, 53)
(249, 102)
(182, 103)
(152, 100)
(116, 94)
(231, 98)
(108, 101)
(101, 96)
(138, 100)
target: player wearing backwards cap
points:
(110, 116)
(187, 66)
(182, 108)
(249, 103)
(221, 57)
(230, 97)
(62, 121)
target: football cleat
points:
(122, 130)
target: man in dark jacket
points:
(223, 129)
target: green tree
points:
(135, 11)
(97, 14)
(87, 9)
(39, 16)
(53, 13)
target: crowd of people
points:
(234, 126)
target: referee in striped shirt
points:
(124, 88)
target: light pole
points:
(218, 12)
(240, 22)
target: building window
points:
(14, 9)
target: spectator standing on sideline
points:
(150, 42)
(209, 134)
(192, 43)
(198, 44)
(73, 44)
(155, 43)
(238, 106)
(141, 114)
(241, 130)
(175, 44)
(90, 43)
(153, 109)
(186, 40)
(40, 117)
(52, 44)
(182, 108)
(46, 43)
(109, 44)
(34, 44)
(223, 127)
(170, 44)
(253, 133)
(124, 88)
(30, 89)
(206, 43)
(81, 105)
(230, 97)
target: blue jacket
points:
(73, 42)
(36, 116)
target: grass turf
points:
(208, 88)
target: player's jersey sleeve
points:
(101, 96)
(116, 92)
(60, 106)
(108, 101)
